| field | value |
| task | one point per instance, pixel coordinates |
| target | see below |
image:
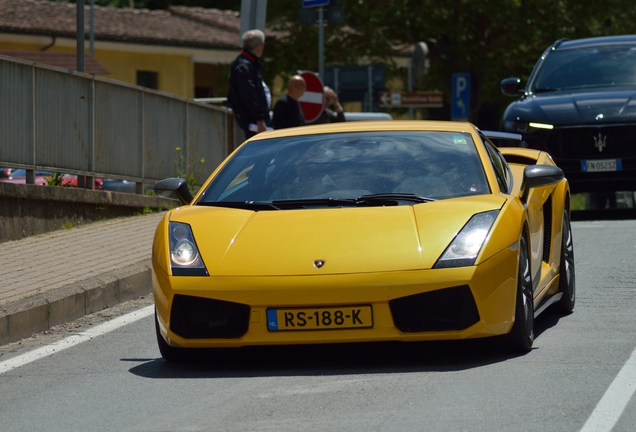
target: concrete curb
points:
(24, 318)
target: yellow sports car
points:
(364, 231)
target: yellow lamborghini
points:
(364, 231)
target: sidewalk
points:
(53, 278)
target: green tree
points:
(490, 39)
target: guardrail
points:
(66, 121)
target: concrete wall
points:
(27, 210)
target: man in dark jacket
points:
(287, 110)
(246, 95)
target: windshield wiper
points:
(244, 205)
(393, 197)
(376, 200)
(383, 199)
(313, 202)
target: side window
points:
(499, 164)
(148, 79)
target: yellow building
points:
(181, 50)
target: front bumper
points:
(570, 146)
(402, 305)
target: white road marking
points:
(611, 406)
(604, 417)
(71, 341)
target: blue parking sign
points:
(460, 97)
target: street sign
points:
(312, 102)
(412, 100)
(460, 97)
(314, 3)
(331, 15)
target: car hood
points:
(236, 242)
(578, 107)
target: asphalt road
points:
(576, 373)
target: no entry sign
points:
(313, 101)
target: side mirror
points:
(511, 87)
(174, 188)
(537, 176)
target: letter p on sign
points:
(461, 97)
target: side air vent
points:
(440, 310)
(520, 160)
(203, 318)
(547, 233)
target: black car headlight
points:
(185, 259)
(465, 247)
(525, 127)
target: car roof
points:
(596, 41)
(366, 126)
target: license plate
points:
(325, 318)
(599, 165)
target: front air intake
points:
(440, 310)
(203, 318)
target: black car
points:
(579, 104)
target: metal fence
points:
(65, 121)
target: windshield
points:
(406, 164)
(587, 67)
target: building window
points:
(148, 79)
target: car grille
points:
(203, 318)
(583, 142)
(445, 309)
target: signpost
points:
(312, 102)
(412, 99)
(331, 15)
(319, 12)
(460, 97)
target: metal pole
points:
(410, 79)
(321, 43)
(80, 35)
(370, 83)
(336, 83)
(91, 48)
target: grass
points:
(577, 202)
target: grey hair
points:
(252, 38)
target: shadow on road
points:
(337, 359)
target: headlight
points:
(541, 126)
(185, 259)
(523, 127)
(466, 245)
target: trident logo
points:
(600, 142)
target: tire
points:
(521, 336)
(567, 280)
(169, 353)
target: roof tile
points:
(176, 26)
(60, 59)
